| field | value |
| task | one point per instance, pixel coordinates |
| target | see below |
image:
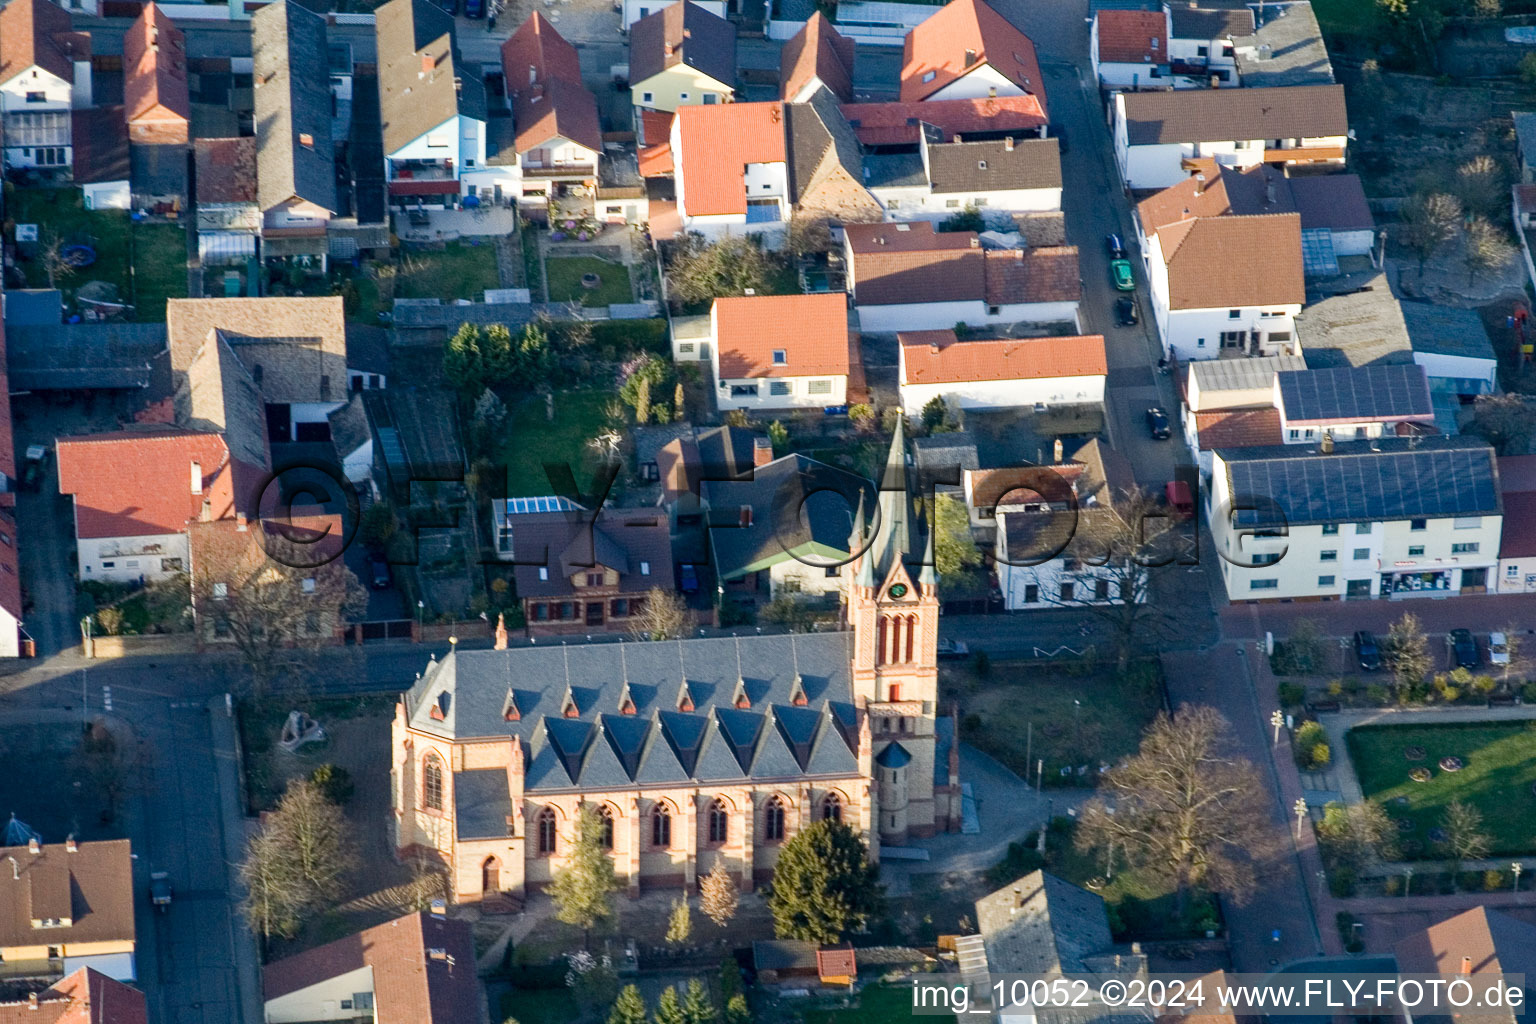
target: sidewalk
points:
(234, 832)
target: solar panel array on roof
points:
(1355, 394)
(1363, 481)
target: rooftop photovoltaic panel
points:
(1354, 394)
(1363, 481)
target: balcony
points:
(1304, 155)
(558, 171)
(411, 170)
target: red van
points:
(1179, 499)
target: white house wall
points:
(1460, 367)
(979, 84)
(1196, 333)
(1006, 394)
(126, 559)
(938, 316)
(915, 203)
(796, 577)
(798, 398)
(321, 1001)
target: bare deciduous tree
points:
(1480, 184)
(1185, 808)
(718, 896)
(296, 864)
(1430, 221)
(663, 616)
(1465, 837)
(1406, 651)
(1484, 247)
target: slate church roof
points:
(593, 716)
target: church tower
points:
(893, 610)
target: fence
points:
(129, 646)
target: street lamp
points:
(420, 606)
(1407, 879)
(1517, 867)
(1277, 720)
(1300, 808)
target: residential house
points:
(580, 572)
(1260, 45)
(1353, 403)
(289, 353)
(433, 108)
(941, 179)
(682, 55)
(1155, 132)
(1517, 543)
(1453, 347)
(229, 218)
(967, 50)
(103, 166)
(1393, 517)
(136, 490)
(1129, 47)
(999, 373)
(1227, 286)
(1045, 556)
(1201, 45)
(156, 101)
(886, 127)
(420, 968)
(828, 179)
(1230, 403)
(682, 464)
(731, 168)
(85, 996)
(226, 556)
(781, 351)
(1525, 145)
(559, 139)
(907, 276)
(1480, 941)
(295, 158)
(633, 10)
(45, 72)
(67, 906)
(815, 57)
(1336, 221)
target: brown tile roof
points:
(683, 33)
(100, 137)
(569, 543)
(295, 348)
(913, 237)
(409, 983)
(93, 887)
(1225, 115)
(290, 57)
(938, 357)
(959, 38)
(226, 170)
(133, 483)
(1495, 943)
(817, 51)
(410, 35)
(1333, 202)
(84, 997)
(894, 124)
(39, 33)
(717, 143)
(218, 394)
(1234, 261)
(995, 165)
(812, 330)
(1041, 274)
(1133, 37)
(548, 100)
(155, 70)
(1518, 539)
(1237, 428)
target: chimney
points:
(31, 1000)
(240, 524)
(70, 846)
(975, 241)
(1008, 144)
(196, 477)
(1326, 445)
(427, 64)
(1199, 182)
(970, 57)
(439, 908)
(1466, 965)
(1269, 192)
(762, 454)
(501, 632)
(1056, 452)
(933, 347)
(33, 846)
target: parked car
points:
(378, 571)
(36, 469)
(474, 8)
(1125, 312)
(1367, 651)
(160, 890)
(1157, 424)
(689, 578)
(1498, 649)
(1114, 247)
(1463, 647)
(953, 650)
(1120, 273)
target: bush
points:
(1342, 881)
(1336, 688)
(1493, 880)
(629, 337)
(1391, 885)
(1310, 745)
(1021, 859)
(334, 782)
(1376, 693)
(1292, 695)
(1322, 757)
(1528, 693)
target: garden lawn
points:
(159, 268)
(878, 1004)
(565, 273)
(62, 212)
(1497, 779)
(1346, 17)
(539, 1006)
(459, 270)
(533, 440)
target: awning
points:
(441, 187)
(225, 247)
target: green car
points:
(1120, 273)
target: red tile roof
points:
(226, 170)
(717, 142)
(1237, 428)
(543, 75)
(92, 887)
(410, 983)
(959, 38)
(36, 32)
(655, 142)
(1234, 261)
(155, 70)
(817, 51)
(894, 124)
(905, 263)
(812, 331)
(939, 357)
(1133, 37)
(134, 483)
(1041, 274)
(84, 997)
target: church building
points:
(694, 752)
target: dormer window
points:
(544, 573)
(780, 357)
(1154, 43)
(645, 568)
(929, 76)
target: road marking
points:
(106, 698)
